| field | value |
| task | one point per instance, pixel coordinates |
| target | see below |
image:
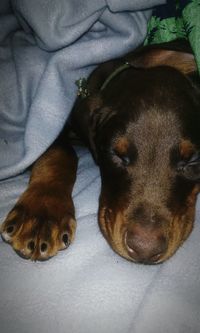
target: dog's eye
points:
(124, 159)
(120, 159)
(190, 168)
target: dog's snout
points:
(145, 244)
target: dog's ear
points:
(88, 116)
(168, 54)
(90, 113)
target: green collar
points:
(83, 85)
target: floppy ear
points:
(174, 54)
(90, 113)
(88, 116)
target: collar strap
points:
(82, 84)
(117, 71)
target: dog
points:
(140, 117)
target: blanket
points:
(45, 46)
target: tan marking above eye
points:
(186, 148)
(121, 146)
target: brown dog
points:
(141, 120)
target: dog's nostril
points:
(145, 246)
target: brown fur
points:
(143, 130)
(45, 211)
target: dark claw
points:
(43, 247)
(10, 229)
(65, 239)
(31, 245)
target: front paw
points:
(38, 231)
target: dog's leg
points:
(42, 221)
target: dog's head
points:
(144, 131)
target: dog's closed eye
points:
(123, 153)
(186, 160)
(190, 168)
(119, 158)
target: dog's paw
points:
(37, 230)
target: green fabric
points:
(176, 19)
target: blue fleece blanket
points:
(45, 46)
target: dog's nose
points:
(145, 244)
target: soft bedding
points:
(45, 46)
